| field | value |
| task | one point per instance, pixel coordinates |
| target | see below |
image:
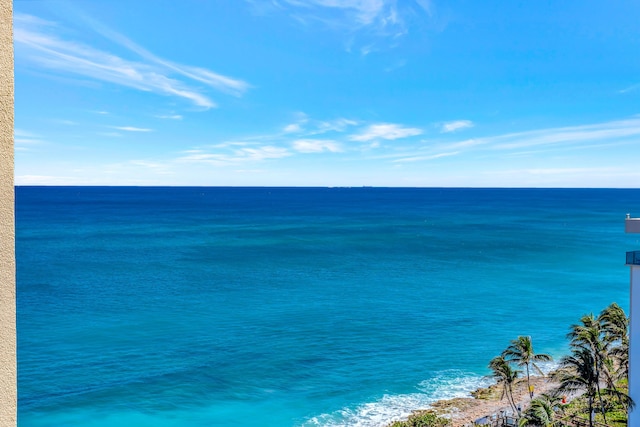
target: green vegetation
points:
(594, 376)
(596, 372)
(520, 352)
(505, 376)
(541, 411)
(599, 363)
(423, 419)
(616, 415)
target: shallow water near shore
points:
(295, 306)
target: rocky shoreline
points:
(486, 402)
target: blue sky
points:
(328, 93)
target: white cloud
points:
(23, 140)
(423, 158)
(36, 42)
(309, 127)
(316, 146)
(301, 119)
(455, 126)
(581, 137)
(241, 155)
(631, 88)
(45, 180)
(228, 144)
(571, 135)
(364, 11)
(383, 13)
(366, 23)
(220, 82)
(156, 166)
(132, 129)
(556, 171)
(293, 127)
(26, 141)
(65, 122)
(262, 153)
(386, 131)
(337, 125)
(23, 133)
(170, 117)
(366, 50)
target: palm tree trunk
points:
(511, 400)
(529, 384)
(604, 416)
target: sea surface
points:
(295, 306)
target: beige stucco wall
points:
(8, 383)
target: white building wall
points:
(634, 346)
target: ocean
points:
(201, 306)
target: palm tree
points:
(602, 343)
(520, 352)
(615, 325)
(505, 375)
(578, 373)
(589, 337)
(540, 412)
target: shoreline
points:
(463, 411)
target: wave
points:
(547, 367)
(443, 385)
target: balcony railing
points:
(633, 258)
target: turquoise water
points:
(295, 306)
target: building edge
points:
(8, 355)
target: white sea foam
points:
(547, 367)
(444, 385)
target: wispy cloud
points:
(608, 131)
(236, 156)
(293, 128)
(364, 12)
(455, 126)
(132, 129)
(631, 88)
(46, 180)
(23, 133)
(381, 13)
(528, 144)
(369, 21)
(388, 131)
(301, 119)
(24, 140)
(110, 134)
(316, 146)
(157, 167)
(307, 126)
(170, 117)
(218, 81)
(577, 171)
(336, 125)
(65, 122)
(424, 158)
(40, 42)
(569, 137)
(261, 153)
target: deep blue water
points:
(295, 306)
